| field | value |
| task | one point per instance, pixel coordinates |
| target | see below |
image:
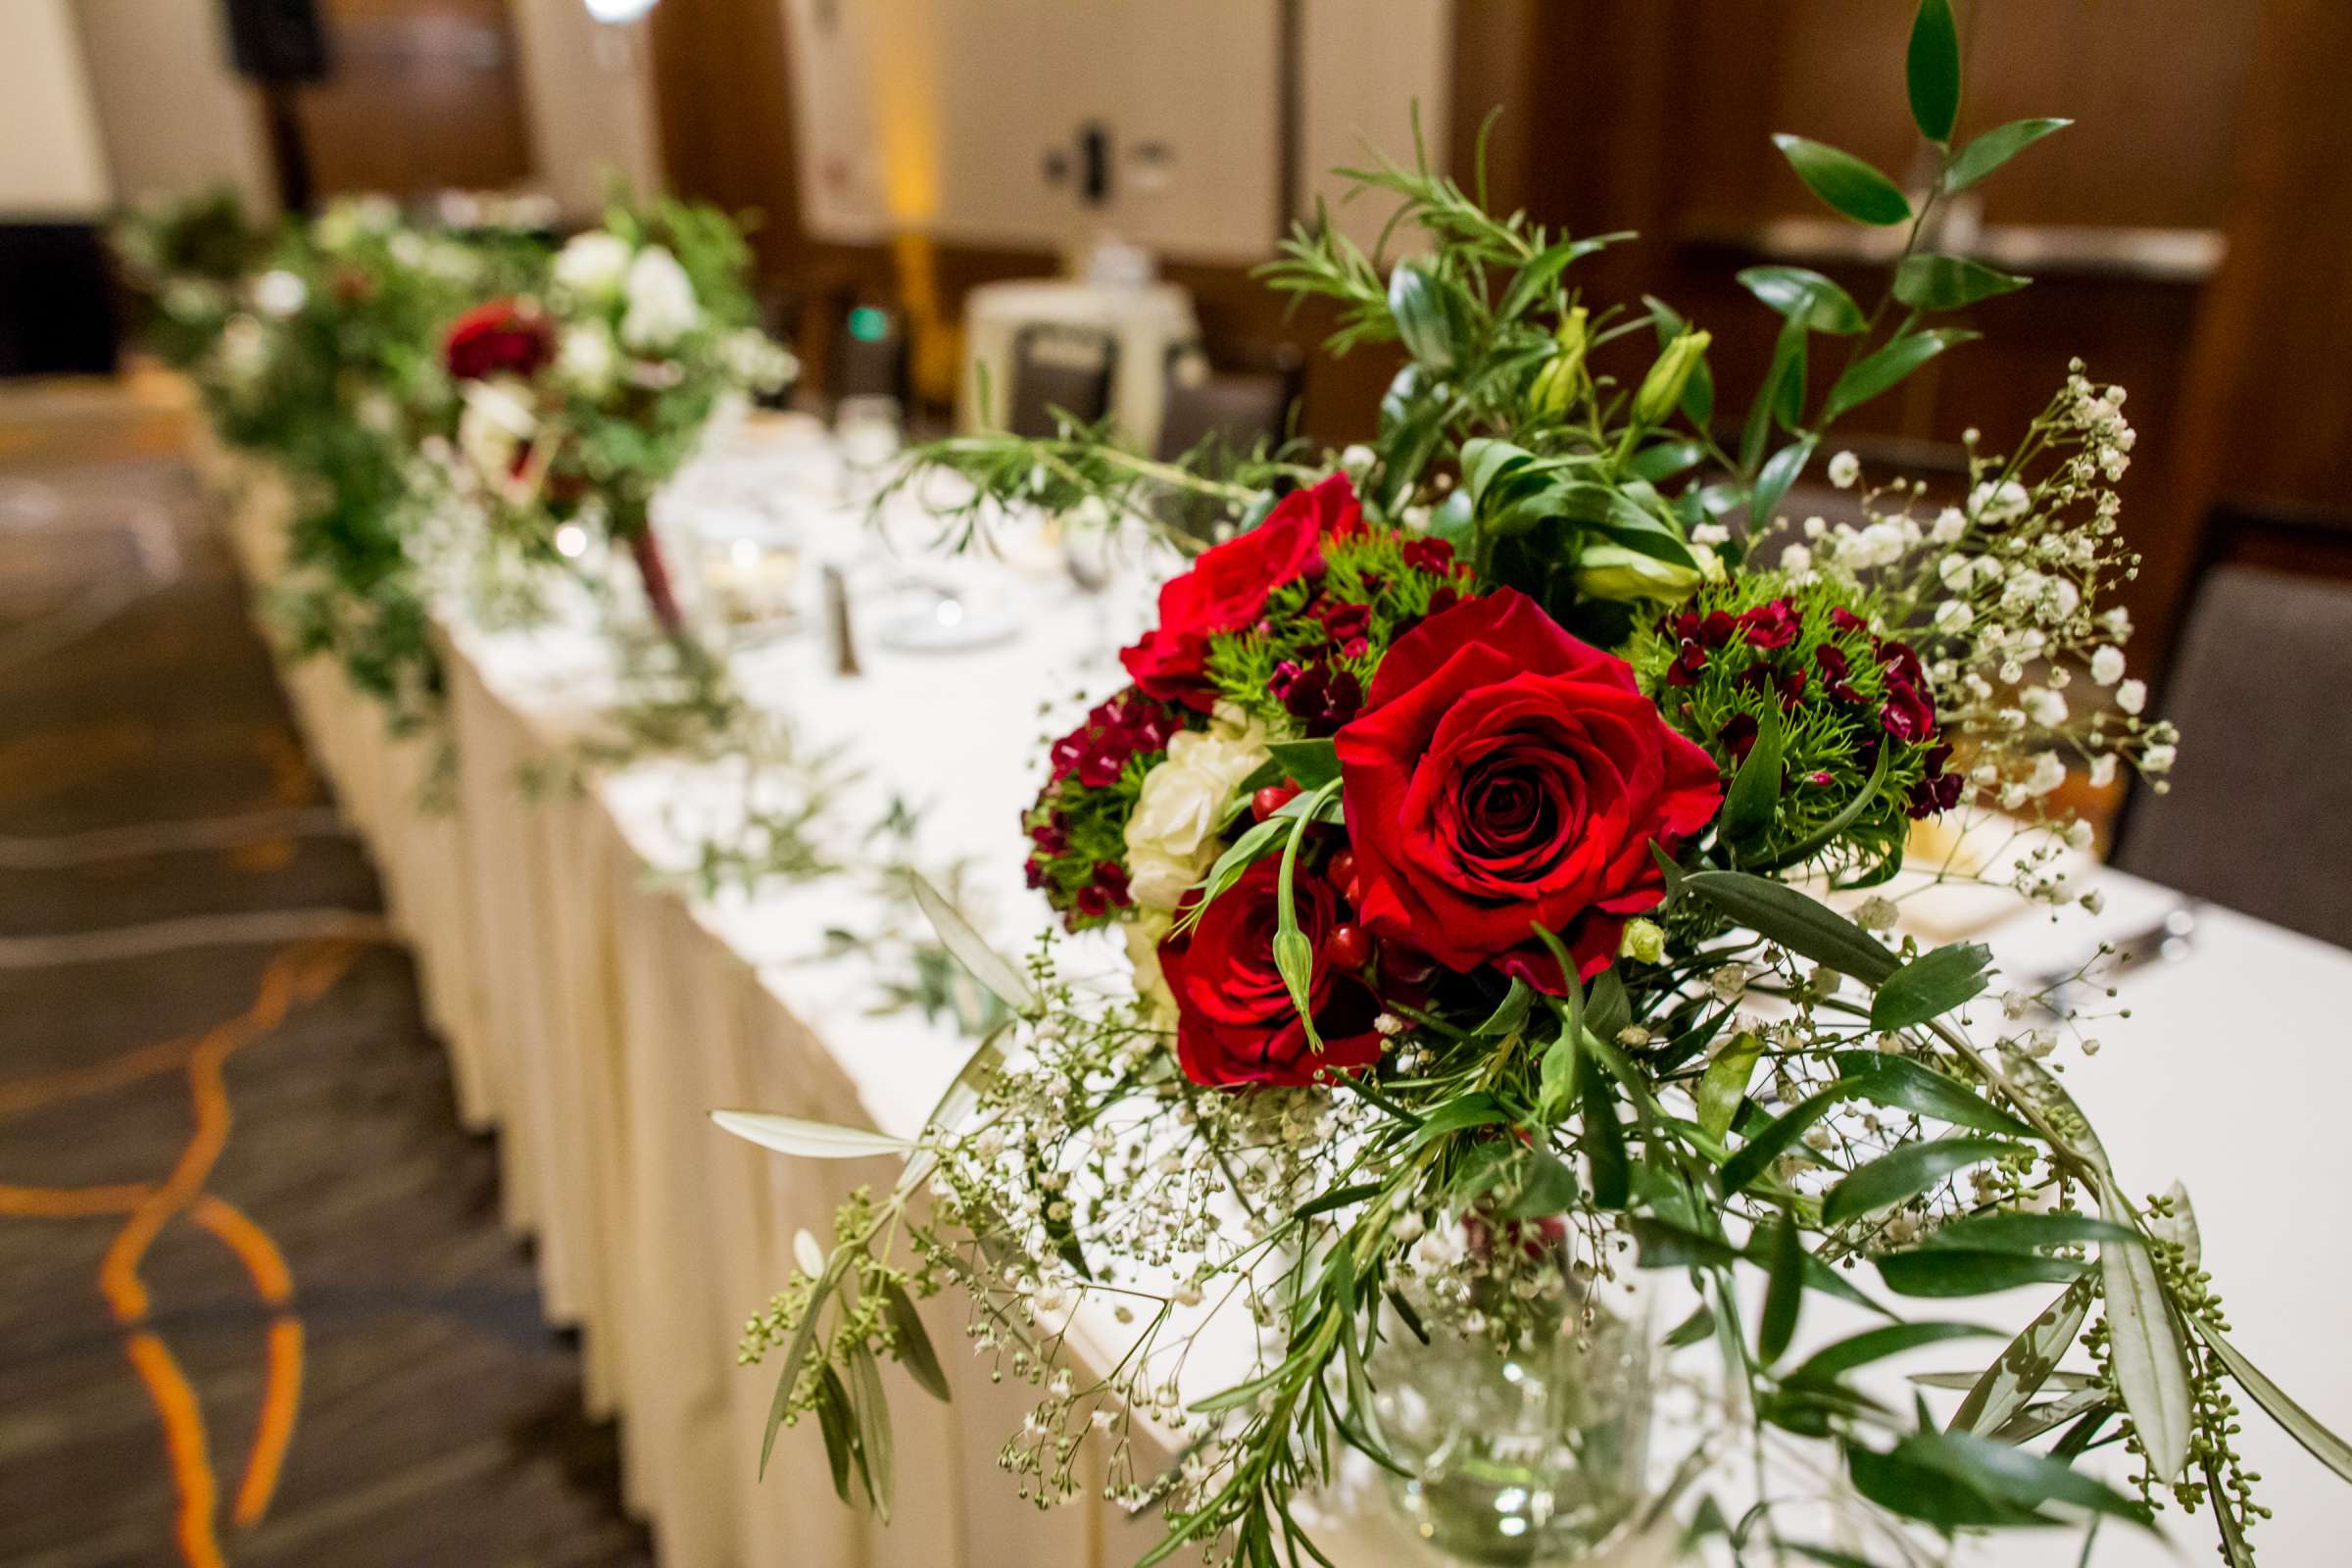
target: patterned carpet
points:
(256, 1307)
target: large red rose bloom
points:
(1505, 775)
(1226, 589)
(500, 337)
(1235, 1021)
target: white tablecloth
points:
(595, 1013)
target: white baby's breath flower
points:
(1796, 559)
(1951, 523)
(1954, 615)
(2102, 770)
(588, 359)
(1356, 459)
(2107, 664)
(2049, 772)
(1844, 470)
(2043, 707)
(1874, 913)
(2132, 695)
(2159, 759)
(1999, 503)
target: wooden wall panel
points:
(424, 96)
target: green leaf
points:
(2149, 1366)
(1690, 1330)
(1607, 1011)
(2027, 1233)
(1309, 765)
(1938, 282)
(1478, 1110)
(2020, 1476)
(1558, 1080)
(1846, 182)
(1425, 316)
(1667, 1245)
(915, 1352)
(1340, 1199)
(2035, 1419)
(2319, 1443)
(1007, 980)
(1724, 1084)
(1832, 1361)
(1803, 295)
(1931, 986)
(833, 1421)
(1781, 395)
(1779, 473)
(1883, 368)
(1932, 68)
(795, 1352)
(1783, 1290)
(1603, 1138)
(1804, 925)
(1257, 842)
(1994, 148)
(810, 1140)
(2026, 1365)
(1538, 274)
(1901, 1483)
(1509, 1014)
(1663, 460)
(1755, 792)
(1779, 1137)
(1949, 1271)
(1546, 1187)
(1884, 1079)
(1906, 1171)
(871, 1411)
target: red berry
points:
(1341, 872)
(1347, 947)
(1273, 797)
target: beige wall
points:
(1364, 65)
(52, 164)
(590, 95)
(176, 119)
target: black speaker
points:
(277, 40)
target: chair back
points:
(1068, 368)
(2259, 813)
(1232, 409)
(870, 353)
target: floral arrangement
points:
(582, 398)
(1467, 816)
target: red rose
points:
(500, 337)
(1235, 1021)
(1226, 589)
(1505, 775)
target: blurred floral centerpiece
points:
(1467, 816)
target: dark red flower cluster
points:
(504, 337)
(1320, 696)
(1128, 725)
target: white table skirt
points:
(594, 1016)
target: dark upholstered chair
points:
(1231, 408)
(1061, 370)
(2259, 816)
(869, 351)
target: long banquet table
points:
(596, 1009)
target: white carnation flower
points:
(661, 302)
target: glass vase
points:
(1532, 1453)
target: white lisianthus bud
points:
(2132, 695)
(661, 302)
(594, 265)
(807, 1254)
(1643, 942)
(2107, 665)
